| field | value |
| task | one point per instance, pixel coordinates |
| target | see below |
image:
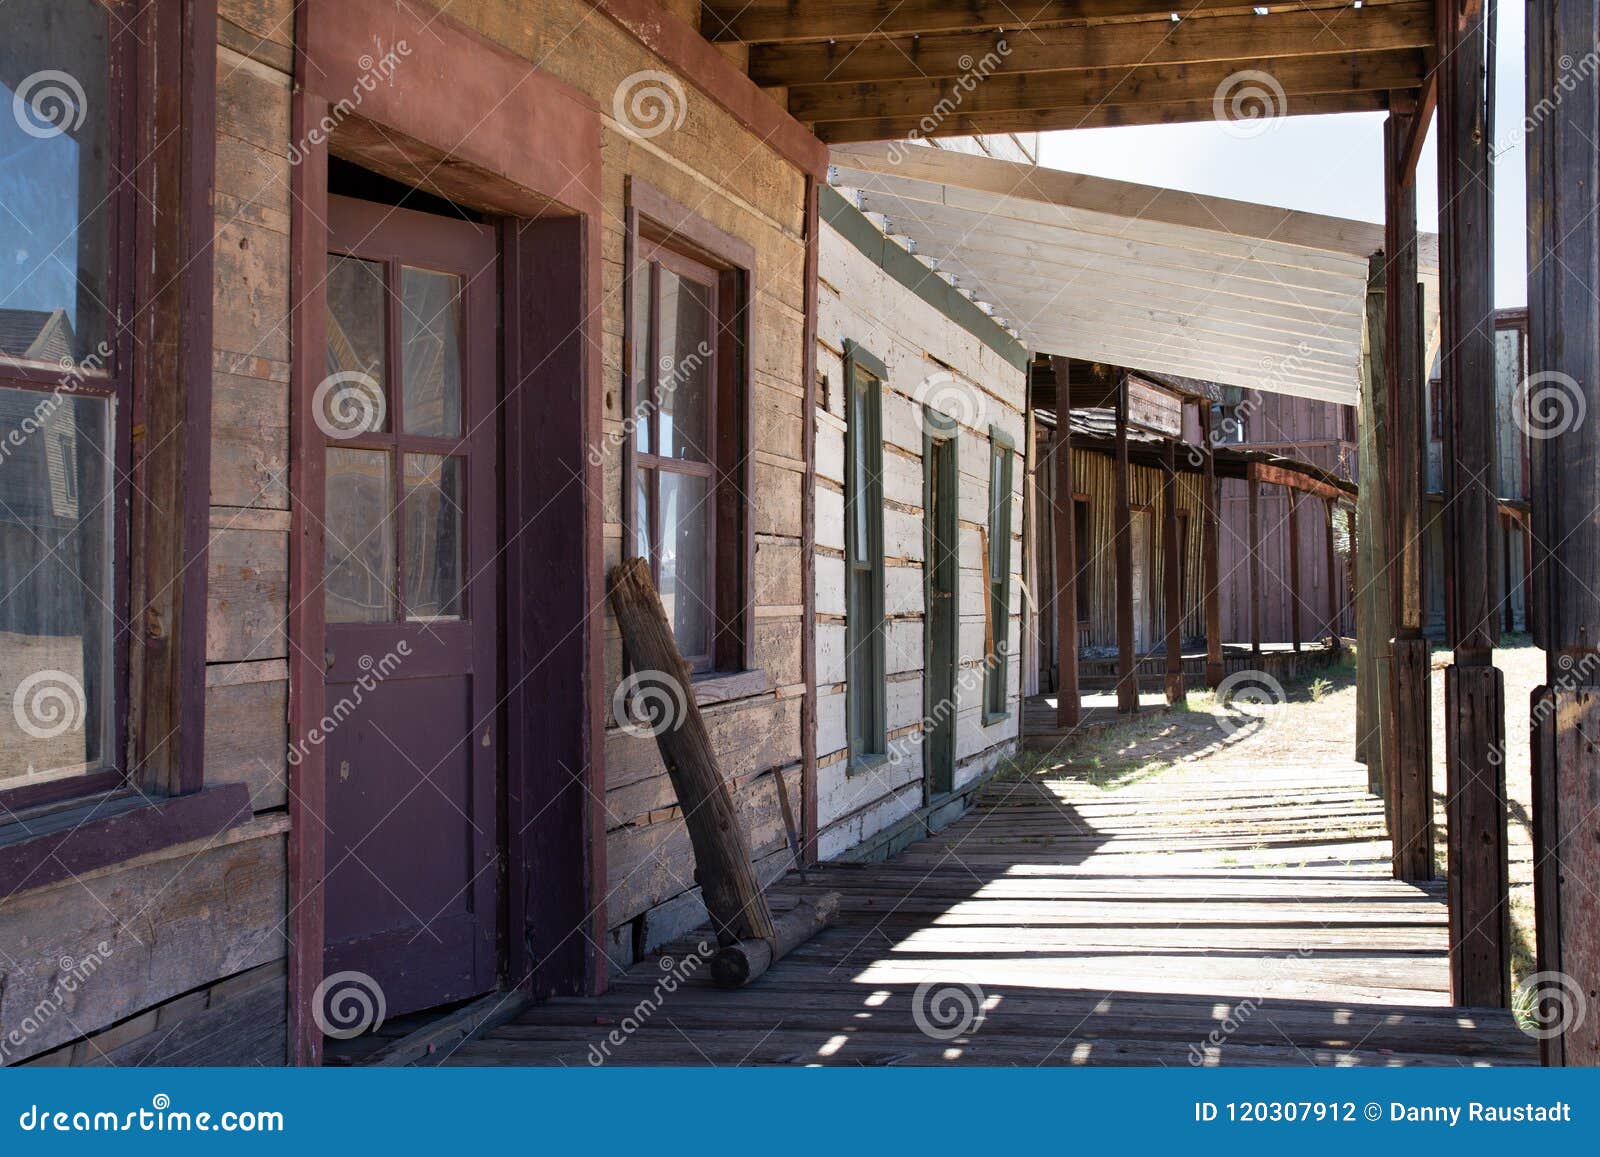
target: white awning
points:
(1137, 276)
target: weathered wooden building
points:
(346, 343)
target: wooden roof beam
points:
(766, 21)
(1128, 45)
(1297, 77)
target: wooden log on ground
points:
(736, 965)
(722, 854)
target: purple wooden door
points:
(411, 597)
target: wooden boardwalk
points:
(1213, 914)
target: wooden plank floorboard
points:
(1227, 914)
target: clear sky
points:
(1321, 164)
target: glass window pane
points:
(997, 506)
(685, 583)
(861, 462)
(56, 622)
(435, 531)
(643, 410)
(641, 513)
(358, 546)
(683, 367)
(430, 353)
(351, 400)
(55, 165)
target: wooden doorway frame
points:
(940, 435)
(533, 161)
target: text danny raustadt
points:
(1372, 1112)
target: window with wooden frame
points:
(998, 577)
(687, 471)
(105, 365)
(866, 711)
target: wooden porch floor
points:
(1222, 914)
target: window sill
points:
(724, 687)
(990, 718)
(106, 830)
(865, 764)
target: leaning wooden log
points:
(662, 688)
(736, 965)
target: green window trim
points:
(866, 690)
(1002, 455)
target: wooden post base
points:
(1566, 872)
(1411, 833)
(737, 964)
(1215, 674)
(1480, 909)
(1176, 692)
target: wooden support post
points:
(721, 853)
(1254, 488)
(1409, 765)
(1294, 569)
(1066, 543)
(1480, 947)
(1333, 575)
(1369, 535)
(1172, 568)
(1564, 354)
(1127, 664)
(1211, 560)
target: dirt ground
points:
(1316, 723)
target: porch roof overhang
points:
(1154, 279)
(857, 70)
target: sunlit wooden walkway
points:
(1217, 914)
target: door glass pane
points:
(350, 401)
(685, 587)
(641, 513)
(56, 593)
(430, 355)
(435, 528)
(641, 417)
(683, 367)
(55, 164)
(860, 462)
(358, 568)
